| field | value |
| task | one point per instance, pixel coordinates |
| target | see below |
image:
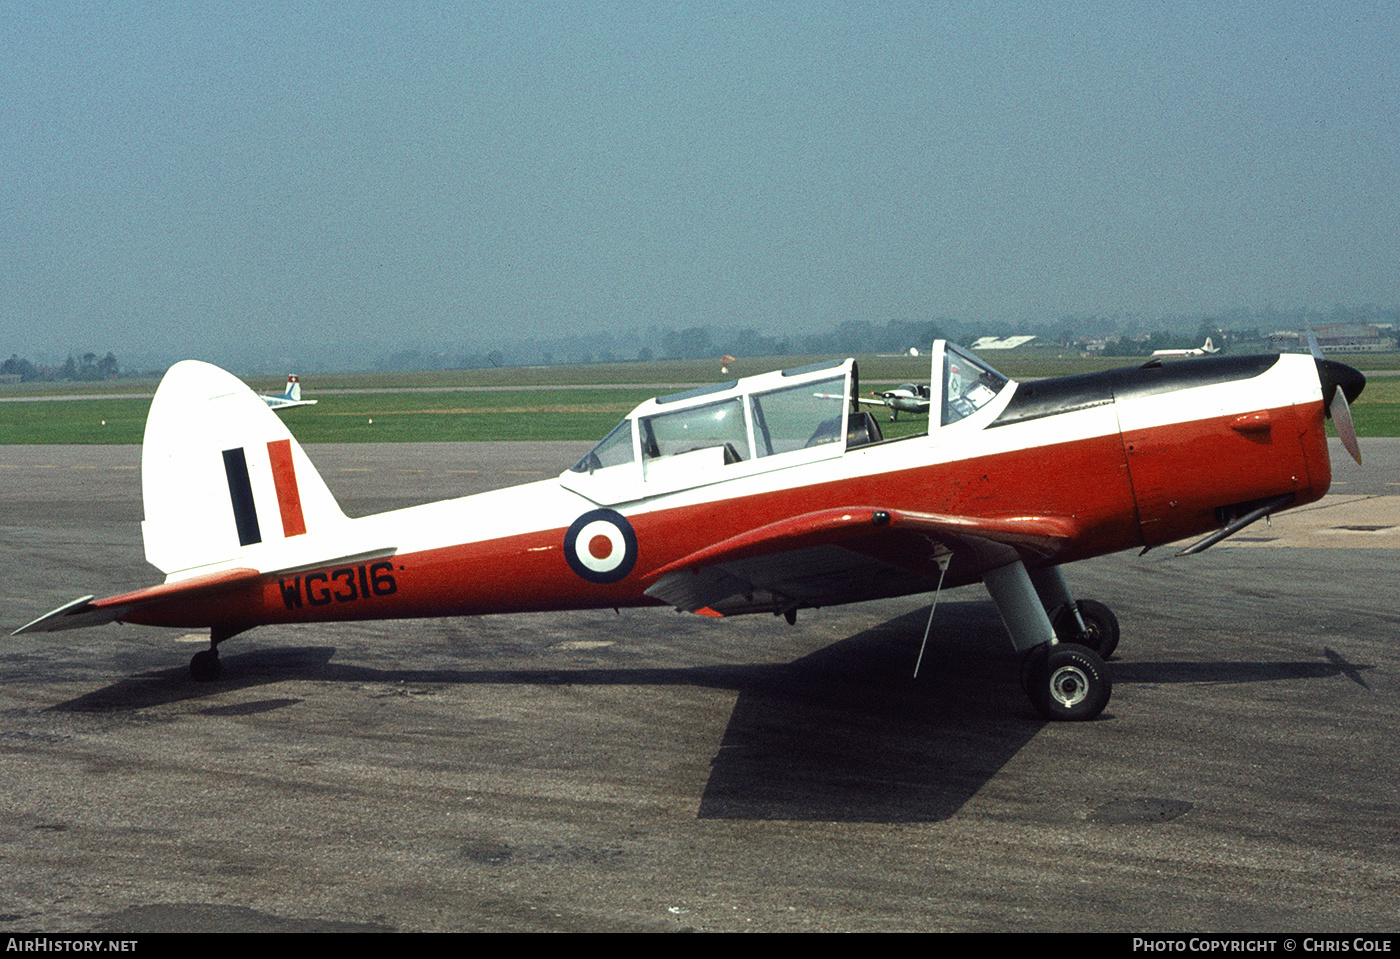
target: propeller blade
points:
(1313, 346)
(1341, 419)
(1339, 383)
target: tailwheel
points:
(204, 667)
(1066, 681)
(1100, 627)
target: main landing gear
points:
(1065, 681)
(1062, 667)
(1095, 627)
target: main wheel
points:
(1031, 664)
(1100, 627)
(1069, 682)
(204, 667)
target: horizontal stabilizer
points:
(86, 611)
(73, 615)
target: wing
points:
(282, 403)
(847, 555)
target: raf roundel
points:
(601, 546)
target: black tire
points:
(1031, 663)
(1070, 683)
(205, 667)
(1101, 627)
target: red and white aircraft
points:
(772, 493)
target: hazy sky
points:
(193, 178)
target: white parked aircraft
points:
(905, 398)
(1203, 350)
(289, 398)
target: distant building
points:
(1334, 338)
(1352, 338)
(1023, 342)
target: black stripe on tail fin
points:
(240, 491)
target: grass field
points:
(451, 405)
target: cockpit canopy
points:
(760, 416)
(788, 417)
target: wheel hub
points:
(1069, 686)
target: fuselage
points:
(1136, 457)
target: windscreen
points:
(614, 450)
(968, 384)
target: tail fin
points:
(293, 389)
(222, 479)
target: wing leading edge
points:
(838, 556)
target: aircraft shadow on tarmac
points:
(843, 734)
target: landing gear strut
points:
(1064, 679)
(1096, 626)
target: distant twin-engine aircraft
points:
(773, 493)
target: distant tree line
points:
(690, 343)
(89, 367)
(1117, 335)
